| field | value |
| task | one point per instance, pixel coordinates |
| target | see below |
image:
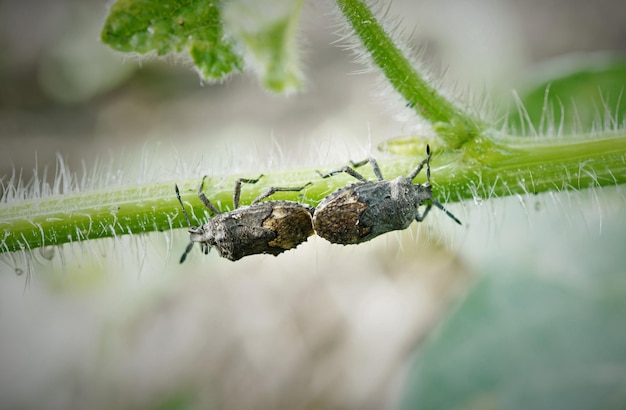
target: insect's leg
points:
(419, 167)
(347, 170)
(438, 205)
(273, 190)
(237, 190)
(204, 199)
(420, 218)
(373, 163)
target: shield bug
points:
(362, 211)
(262, 227)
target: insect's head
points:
(196, 233)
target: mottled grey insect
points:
(263, 227)
(362, 211)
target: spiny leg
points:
(420, 218)
(437, 204)
(419, 167)
(273, 190)
(345, 169)
(205, 200)
(352, 172)
(237, 191)
(373, 163)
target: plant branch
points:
(455, 126)
(482, 169)
(470, 161)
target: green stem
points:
(484, 168)
(469, 163)
(60, 219)
(455, 125)
(491, 168)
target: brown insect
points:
(262, 227)
(362, 211)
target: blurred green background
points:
(522, 307)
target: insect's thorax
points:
(391, 205)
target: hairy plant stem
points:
(469, 161)
(484, 168)
(455, 125)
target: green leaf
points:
(545, 332)
(268, 31)
(194, 26)
(218, 35)
(573, 94)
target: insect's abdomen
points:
(336, 218)
(363, 211)
(268, 227)
(291, 222)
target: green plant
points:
(476, 156)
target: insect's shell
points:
(267, 227)
(362, 211)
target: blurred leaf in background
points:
(572, 93)
(72, 69)
(219, 36)
(544, 326)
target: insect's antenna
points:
(187, 250)
(190, 246)
(438, 205)
(182, 206)
(428, 165)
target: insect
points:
(362, 211)
(262, 227)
